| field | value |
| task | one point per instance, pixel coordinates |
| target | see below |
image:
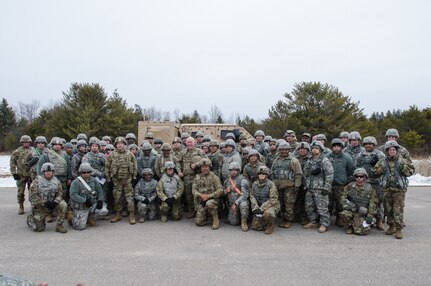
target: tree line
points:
(312, 107)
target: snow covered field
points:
(6, 180)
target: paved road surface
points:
(179, 253)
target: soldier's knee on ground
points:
(346, 216)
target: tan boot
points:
(398, 233)
(164, 218)
(69, 217)
(123, 213)
(49, 218)
(256, 223)
(59, 228)
(191, 215)
(285, 224)
(132, 219)
(116, 217)
(338, 221)
(244, 224)
(322, 229)
(349, 230)
(91, 221)
(269, 221)
(216, 222)
(310, 225)
(379, 225)
(391, 230)
(21, 208)
(142, 219)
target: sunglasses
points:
(85, 172)
(360, 176)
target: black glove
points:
(374, 160)
(51, 204)
(257, 211)
(99, 205)
(170, 201)
(203, 203)
(33, 161)
(88, 203)
(15, 177)
(146, 201)
(369, 220)
(295, 190)
(316, 171)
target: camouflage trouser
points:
(151, 209)
(316, 205)
(36, 220)
(258, 221)
(287, 201)
(176, 209)
(80, 217)
(188, 195)
(242, 211)
(354, 220)
(299, 207)
(335, 206)
(380, 211)
(21, 184)
(123, 186)
(393, 200)
(211, 207)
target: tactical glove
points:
(351, 206)
(295, 190)
(203, 203)
(316, 171)
(88, 203)
(170, 201)
(369, 220)
(16, 177)
(146, 201)
(257, 211)
(51, 204)
(363, 210)
(374, 160)
(99, 205)
(33, 161)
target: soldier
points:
(73, 141)
(188, 159)
(176, 147)
(306, 137)
(46, 197)
(166, 156)
(267, 139)
(86, 199)
(149, 137)
(394, 170)
(264, 202)
(82, 136)
(367, 159)
(303, 155)
(205, 148)
(287, 176)
(184, 137)
(354, 148)
(250, 170)
(170, 191)
(342, 164)
(358, 200)
(20, 169)
(259, 145)
(392, 134)
(121, 168)
(146, 196)
(322, 139)
(207, 190)
(242, 143)
(216, 158)
(230, 155)
(77, 158)
(34, 156)
(199, 139)
(273, 153)
(147, 160)
(158, 142)
(237, 190)
(68, 148)
(344, 137)
(107, 139)
(244, 157)
(130, 138)
(319, 175)
(102, 144)
(290, 138)
(95, 159)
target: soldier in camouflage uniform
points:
(286, 173)
(86, 199)
(147, 160)
(170, 191)
(230, 155)
(322, 139)
(392, 134)
(344, 137)
(303, 155)
(68, 148)
(394, 170)
(237, 190)
(121, 168)
(20, 169)
(244, 157)
(367, 159)
(272, 154)
(199, 139)
(216, 158)
(107, 139)
(264, 202)
(158, 142)
(250, 169)
(77, 158)
(319, 175)
(166, 156)
(359, 204)
(306, 137)
(259, 145)
(290, 138)
(354, 148)
(207, 189)
(46, 197)
(188, 159)
(146, 196)
(177, 147)
(96, 159)
(34, 156)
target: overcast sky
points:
(239, 55)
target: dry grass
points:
(423, 166)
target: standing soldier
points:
(177, 147)
(303, 155)
(20, 169)
(322, 139)
(358, 202)
(259, 145)
(96, 159)
(394, 170)
(264, 202)
(207, 190)
(166, 156)
(77, 158)
(287, 177)
(216, 158)
(107, 139)
(68, 148)
(46, 197)
(199, 139)
(146, 196)
(147, 160)
(354, 148)
(319, 175)
(273, 153)
(250, 169)
(121, 168)
(158, 142)
(392, 134)
(237, 190)
(344, 137)
(34, 156)
(170, 190)
(290, 138)
(230, 155)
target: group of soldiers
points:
(247, 182)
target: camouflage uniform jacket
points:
(365, 196)
(394, 172)
(354, 152)
(170, 187)
(159, 165)
(35, 153)
(97, 162)
(368, 161)
(79, 194)
(121, 165)
(287, 168)
(250, 171)
(261, 147)
(343, 168)
(264, 195)
(216, 161)
(401, 150)
(237, 192)
(146, 190)
(76, 162)
(189, 157)
(319, 173)
(43, 190)
(146, 162)
(270, 157)
(207, 184)
(19, 160)
(61, 164)
(227, 159)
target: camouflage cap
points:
(146, 146)
(103, 143)
(284, 146)
(259, 133)
(158, 141)
(106, 138)
(147, 171)
(230, 142)
(120, 139)
(354, 135)
(199, 134)
(230, 135)
(56, 141)
(94, 140)
(263, 170)
(185, 135)
(214, 143)
(321, 137)
(81, 136)
(149, 135)
(289, 133)
(390, 144)
(242, 137)
(305, 134)
(110, 147)
(68, 145)
(177, 140)
(253, 152)
(132, 146)
(81, 142)
(337, 141)
(73, 141)
(317, 144)
(207, 138)
(344, 134)
(304, 145)
(267, 138)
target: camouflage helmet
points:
(369, 140)
(267, 138)
(205, 162)
(306, 134)
(149, 135)
(146, 146)
(214, 143)
(259, 133)
(304, 145)
(289, 133)
(106, 138)
(317, 144)
(354, 135)
(94, 140)
(119, 139)
(185, 135)
(284, 146)
(207, 138)
(391, 143)
(166, 147)
(234, 166)
(222, 145)
(147, 171)
(392, 132)
(40, 139)
(169, 165)
(230, 142)
(68, 145)
(85, 167)
(280, 141)
(48, 167)
(246, 150)
(199, 134)
(25, 139)
(253, 152)
(132, 146)
(320, 137)
(158, 141)
(344, 134)
(130, 136)
(360, 171)
(263, 170)
(177, 140)
(63, 140)
(229, 135)
(103, 143)
(242, 137)
(73, 141)
(337, 141)
(110, 147)
(273, 140)
(81, 136)
(56, 140)
(81, 142)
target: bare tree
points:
(152, 114)
(214, 114)
(28, 111)
(166, 116)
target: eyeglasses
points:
(85, 172)
(359, 176)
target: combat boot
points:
(244, 224)
(285, 224)
(338, 221)
(123, 213)
(164, 218)
(379, 225)
(49, 217)
(142, 219)
(216, 222)
(349, 230)
(132, 219)
(69, 217)
(192, 214)
(59, 228)
(322, 229)
(391, 230)
(269, 221)
(398, 233)
(91, 221)
(310, 225)
(116, 217)
(21, 208)
(256, 223)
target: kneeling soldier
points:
(170, 191)
(146, 196)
